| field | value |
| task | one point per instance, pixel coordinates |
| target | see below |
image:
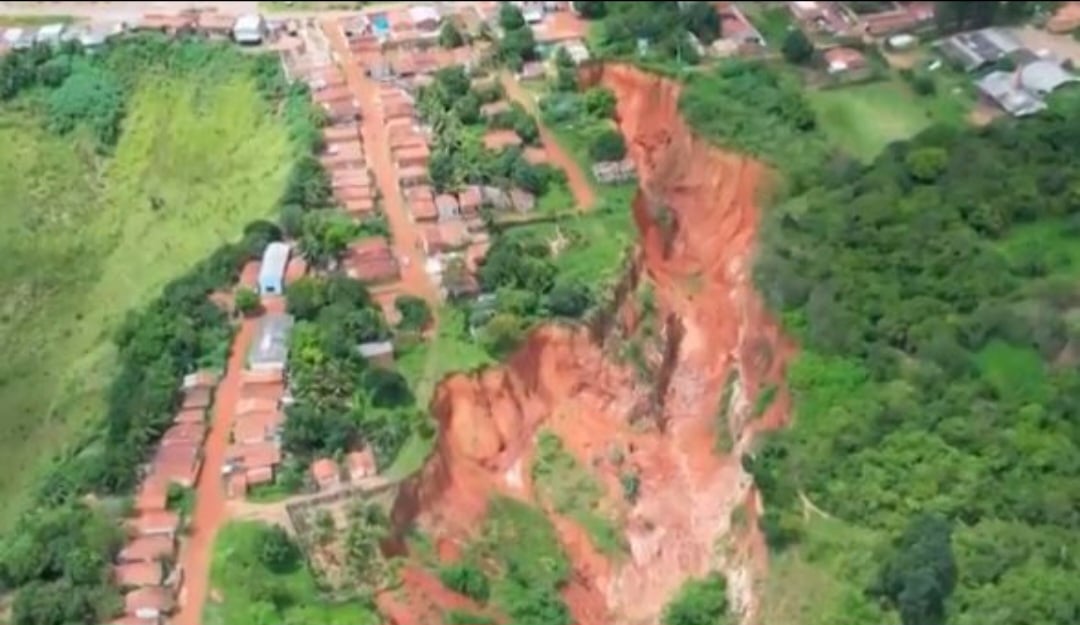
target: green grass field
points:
(1014, 372)
(85, 245)
(865, 118)
(251, 594)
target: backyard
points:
(865, 118)
(90, 237)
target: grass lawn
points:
(822, 580)
(85, 244)
(1015, 372)
(563, 483)
(34, 20)
(865, 118)
(253, 595)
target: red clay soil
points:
(209, 513)
(577, 180)
(698, 259)
(407, 241)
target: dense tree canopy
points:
(934, 295)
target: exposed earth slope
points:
(708, 353)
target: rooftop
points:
(500, 139)
(375, 349)
(150, 598)
(138, 574)
(361, 463)
(324, 470)
(275, 258)
(147, 548)
(156, 522)
(271, 344)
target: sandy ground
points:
(209, 513)
(406, 235)
(575, 177)
(1062, 46)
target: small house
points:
(178, 463)
(372, 261)
(50, 35)
(412, 176)
(184, 434)
(361, 464)
(139, 574)
(270, 349)
(522, 201)
(501, 139)
(845, 61)
(325, 473)
(249, 29)
(414, 156)
(152, 496)
(491, 109)
(156, 523)
(424, 18)
(533, 70)
(446, 206)
(147, 549)
(272, 271)
(379, 353)
(149, 603)
(469, 201)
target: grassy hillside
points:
(89, 238)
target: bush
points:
(608, 145)
(449, 36)
(278, 552)
(415, 312)
(600, 102)
(248, 302)
(923, 84)
(466, 579)
(88, 96)
(569, 299)
(797, 48)
(631, 486)
(699, 602)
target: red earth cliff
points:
(697, 218)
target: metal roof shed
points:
(50, 34)
(272, 271)
(249, 29)
(270, 349)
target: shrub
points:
(608, 145)
(797, 48)
(699, 602)
(923, 84)
(449, 36)
(631, 486)
(247, 301)
(466, 579)
(277, 551)
(415, 312)
(600, 102)
(569, 299)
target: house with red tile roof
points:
(341, 133)
(185, 417)
(147, 549)
(470, 200)
(152, 602)
(444, 237)
(421, 203)
(500, 139)
(371, 260)
(412, 156)
(184, 434)
(257, 427)
(411, 176)
(156, 523)
(139, 574)
(197, 397)
(152, 495)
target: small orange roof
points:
(324, 470)
(149, 598)
(255, 404)
(191, 415)
(152, 495)
(138, 574)
(259, 475)
(184, 433)
(256, 455)
(156, 522)
(147, 549)
(499, 139)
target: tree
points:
(308, 185)
(797, 48)
(502, 334)
(600, 102)
(248, 302)
(591, 10)
(516, 47)
(326, 235)
(703, 20)
(510, 17)
(277, 551)
(921, 573)
(415, 312)
(449, 35)
(699, 602)
(569, 298)
(566, 71)
(466, 579)
(292, 220)
(927, 164)
(467, 108)
(608, 145)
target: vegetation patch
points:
(564, 484)
(260, 576)
(699, 602)
(528, 566)
(725, 440)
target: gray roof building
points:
(1043, 77)
(50, 34)
(272, 270)
(270, 347)
(979, 48)
(249, 29)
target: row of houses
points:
(145, 568)
(841, 19)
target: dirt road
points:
(575, 177)
(209, 513)
(407, 240)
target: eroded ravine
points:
(697, 219)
